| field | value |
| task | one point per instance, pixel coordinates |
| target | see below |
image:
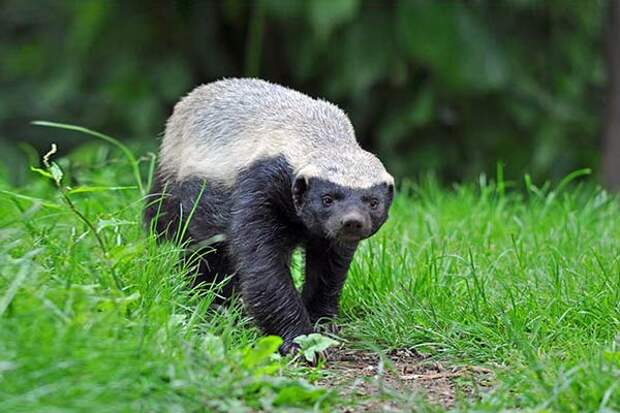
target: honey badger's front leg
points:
(261, 243)
(327, 265)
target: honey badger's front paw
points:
(328, 328)
(325, 325)
(289, 347)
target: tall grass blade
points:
(106, 138)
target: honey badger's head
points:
(345, 208)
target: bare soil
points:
(401, 379)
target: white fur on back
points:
(222, 127)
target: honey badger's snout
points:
(353, 225)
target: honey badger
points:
(264, 169)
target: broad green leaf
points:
(297, 394)
(314, 343)
(262, 351)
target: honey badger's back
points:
(222, 127)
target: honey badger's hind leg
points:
(195, 214)
(211, 269)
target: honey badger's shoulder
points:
(222, 127)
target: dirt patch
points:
(400, 379)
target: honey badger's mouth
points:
(347, 237)
(350, 238)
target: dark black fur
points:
(263, 218)
(172, 205)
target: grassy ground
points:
(522, 281)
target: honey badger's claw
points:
(289, 348)
(328, 328)
(323, 356)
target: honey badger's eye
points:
(327, 200)
(373, 203)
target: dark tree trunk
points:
(611, 138)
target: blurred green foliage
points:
(451, 86)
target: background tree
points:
(451, 86)
(611, 138)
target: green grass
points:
(523, 280)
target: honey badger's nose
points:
(352, 224)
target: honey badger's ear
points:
(389, 182)
(389, 185)
(300, 186)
